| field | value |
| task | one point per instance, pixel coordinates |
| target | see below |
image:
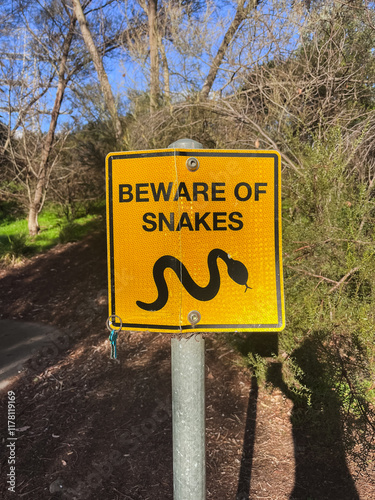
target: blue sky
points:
(188, 57)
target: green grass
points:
(15, 243)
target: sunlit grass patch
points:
(16, 244)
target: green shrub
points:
(18, 245)
(70, 232)
(10, 210)
(329, 280)
(326, 358)
(14, 247)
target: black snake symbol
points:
(236, 270)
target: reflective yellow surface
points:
(200, 235)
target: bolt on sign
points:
(194, 240)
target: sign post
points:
(194, 246)
(188, 405)
(188, 418)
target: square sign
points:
(194, 240)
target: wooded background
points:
(81, 79)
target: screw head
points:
(192, 164)
(194, 317)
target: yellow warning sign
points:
(194, 240)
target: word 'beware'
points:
(142, 192)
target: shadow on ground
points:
(321, 470)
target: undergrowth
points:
(325, 361)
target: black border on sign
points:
(277, 236)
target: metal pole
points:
(188, 406)
(188, 418)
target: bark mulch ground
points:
(92, 428)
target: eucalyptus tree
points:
(99, 67)
(46, 63)
(243, 10)
(152, 25)
(38, 66)
(198, 47)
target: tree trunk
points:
(36, 202)
(33, 219)
(164, 61)
(154, 54)
(98, 63)
(241, 14)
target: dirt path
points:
(89, 427)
